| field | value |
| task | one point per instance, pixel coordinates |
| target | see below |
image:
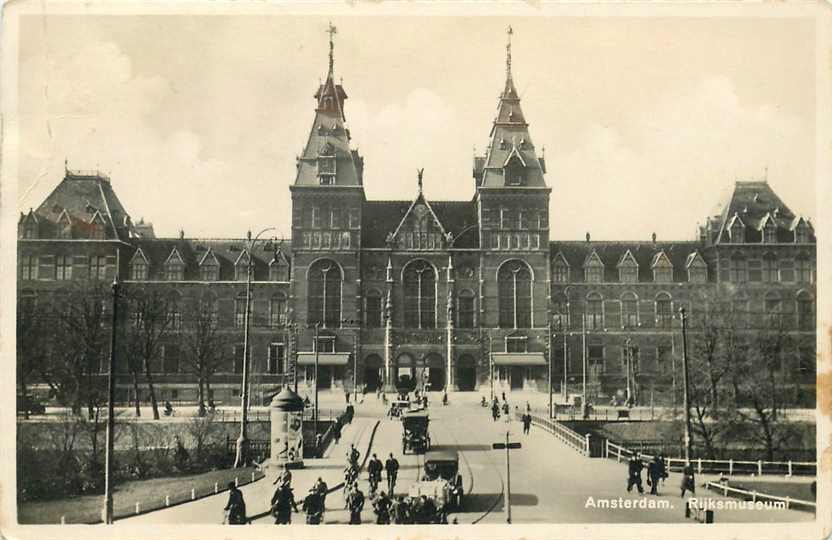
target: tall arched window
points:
(325, 293)
(629, 310)
(664, 310)
(773, 308)
(805, 311)
(419, 295)
(174, 313)
(373, 309)
(515, 291)
(560, 312)
(594, 311)
(465, 309)
(240, 309)
(739, 309)
(277, 309)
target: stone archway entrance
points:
(466, 373)
(372, 373)
(405, 374)
(434, 373)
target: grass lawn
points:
(795, 490)
(149, 493)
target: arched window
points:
(373, 309)
(419, 295)
(325, 293)
(594, 311)
(174, 313)
(208, 313)
(560, 312)
(803, 269)
(805, 311)
(629, 310)
(773, 306)
(770, 268)
(515, 294)
(240, 310)
(664, 310)
(277, 309)
(739, 309)
(465, 309)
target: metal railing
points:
(573, 439)
(722, 466)
(756, 496)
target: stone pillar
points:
(389, 380)
(449, 375)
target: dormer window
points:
(801, 233)
(662, 268)
(697, 269)
(174, 267)
(515, 173)
(278, 270)
(593, 269)
(770, 232)
(326, 170)
(209, 271)
(138, 270)
(241, 267)
(737, 232)
(30, 230)
(64, 226)
(560, 270)
(628, 269)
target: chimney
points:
(181, 234)
(588, 237)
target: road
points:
(551, 483)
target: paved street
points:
(550, 482)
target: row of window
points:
(96, 230)
(63, 267)
(770, 233)
(326, 240)
(171, 361)
(332, 217)
(627, 274)
(511, 241)
(517, 219)
(766, 270)
(208, 271)
(209, 308)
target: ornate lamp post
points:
(242, 441)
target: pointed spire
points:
(509, 32)
(419, 173)
(331, 31)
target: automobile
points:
(30, 405)
(444, 465)
(441, 484)
(415, 434)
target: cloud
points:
(678, 155)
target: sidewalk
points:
(258, 495)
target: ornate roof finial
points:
(331, 31)
(419, 173)
(509, 32)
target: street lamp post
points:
(551, 371)
(491, 363)
(584, 407)
(108, 452)
(629, 365)
(242, 441)
(565, 390)
(686, 404)
(315, 412)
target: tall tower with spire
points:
(512, 199)
(327, 199)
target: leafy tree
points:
(203, 344)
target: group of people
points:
(657, 471)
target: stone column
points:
(389, 383)
(449, 376)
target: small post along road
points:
(508, 446)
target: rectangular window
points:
(174, 271)
(522, 220)
(355, 218)
(326, 344)
(560, 273)
(594, 274)
(738, 271)
(755, 270)
(171, 363)
(240, 312)
(345, 240)
(770, 270)
(63, 267)
(516, 344)
(802, 234)
(373, 311)
(29, 267)
(628, 274)
(209, 272)
(98, 267)
(505, 218)
(276, 359)
(803, 272)
(238, 358)
(138, 271)
(663, 275)
(495, 241)
(697, 274)
(542, 220)
(316, 217)
(787, 270)
(770, 235)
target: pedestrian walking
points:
(634, 468)
(527, 423)
(313, 507)
(528, 408)
(504, 396)
(356, 505)
(374, 468)
(336, 431)
(283, 502)
(235, 509)
(688, 480)
(352, 455)
(495, 411)
(321, 487)
(392, 468)
(655, 473)
(381, 506)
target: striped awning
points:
(519, 359)
(324, 358)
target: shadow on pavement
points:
(485, 502)
(462, 447)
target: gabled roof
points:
(627, 259)
(660, 259)
(750, 202)
(560, 259)
(380, 218)
(174, 257)
(65, 217)
(765, 220)
(209, 258)
(28, 216)
(514, 154)
(592, 259)
(695, 259)
(420, 199)
(797, 221)
(98, 217)
(139, 254)
(240, 261)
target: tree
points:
(203, 345)
(78, 343)
(147, 327)
(32, 343)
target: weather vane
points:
(508, 51)
(419, 173)
(331, 31)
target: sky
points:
(646, 122)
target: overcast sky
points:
(645, 122)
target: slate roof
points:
(192, 251)
(752, 202)
(610, 253)
(81, 195)
(380, 218)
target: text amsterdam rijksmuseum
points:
(430, 292)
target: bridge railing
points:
(755, 496)
(571, 438)
(721, 466)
